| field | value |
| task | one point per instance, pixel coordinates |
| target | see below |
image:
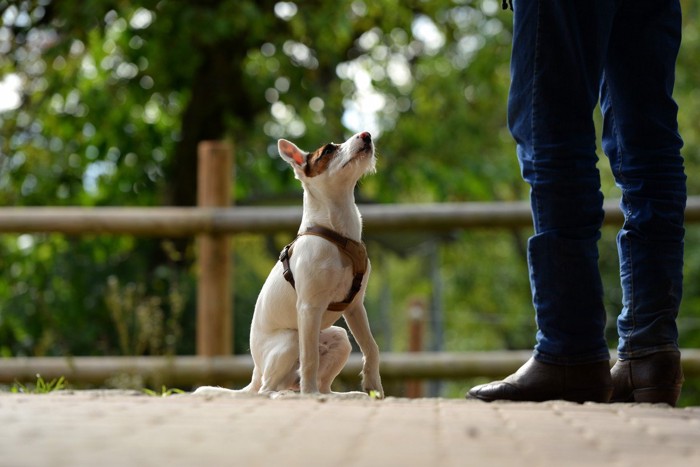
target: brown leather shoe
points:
(656, 378)
(536, 381)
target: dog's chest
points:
(322, 276)
(351, 250)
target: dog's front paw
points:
(372, 385)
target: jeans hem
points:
(602, 356)
(624, 355)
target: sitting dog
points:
(320, 276)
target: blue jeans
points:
(567, 56)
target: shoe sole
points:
(657, 395)
(601, 395)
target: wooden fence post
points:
(214, 301)
(416, 316)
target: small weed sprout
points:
(164, 392)
(40, 387)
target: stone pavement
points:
(85, 428)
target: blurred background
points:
(103, 103)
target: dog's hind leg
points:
(334, 350)
(255, 382)
(280, 360)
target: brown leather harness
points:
(355, 251)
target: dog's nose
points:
(366, 137)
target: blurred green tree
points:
(115, 96)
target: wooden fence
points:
(235, 370)
(186, 222)
(214, 220)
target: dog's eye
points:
(328, 149)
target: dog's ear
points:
(292, 154)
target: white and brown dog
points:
(293, 341)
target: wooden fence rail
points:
(184, 222)
(183, 371)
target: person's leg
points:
(554, 92)
(552, 122)
(642, 141)
(557, 63)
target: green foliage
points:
(164, 392)
(116, 96)
(140, 319)
(40, 387)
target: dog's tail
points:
(217, 390)
(252, 388)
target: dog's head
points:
(348, 161)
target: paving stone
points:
(128, 429)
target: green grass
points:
(40, 387)
(164, 392)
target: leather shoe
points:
(655, 378)
(536, 381)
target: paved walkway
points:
(121, 429)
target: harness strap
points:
(355, 251)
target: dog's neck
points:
(337, 212)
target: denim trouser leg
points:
(556, 67)
(561, 51)
(642, 142)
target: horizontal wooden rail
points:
(236, 370)
(180, 222)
